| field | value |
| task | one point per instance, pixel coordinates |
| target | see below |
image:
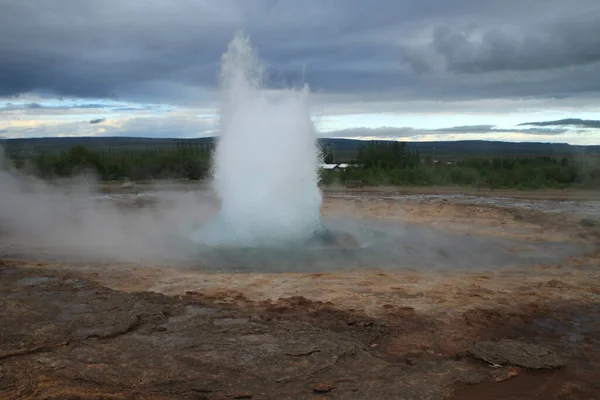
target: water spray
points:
(266, 159)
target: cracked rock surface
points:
(516, 353)
(65, 337)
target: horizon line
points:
(318, 138)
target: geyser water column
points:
(266, 159)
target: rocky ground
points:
(106, 330)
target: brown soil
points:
(126, 331)
(551, 194)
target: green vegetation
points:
(185, 160)
(375, 163)
(380, 163)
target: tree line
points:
(376, 163)
(381, 163)
(185, 160)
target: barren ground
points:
(105, 330)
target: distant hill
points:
(344, 149)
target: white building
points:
(334, 166)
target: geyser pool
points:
(266, 159)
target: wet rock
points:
(514, 352)
(324, 387)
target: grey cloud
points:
(408, 132)
(99, 46)
(185, 127)
(13, 107)
(165, 49)
(37, 106)
(581, 123)
(97, 121)
(125, 109)
(468, 129)
(492, 129)
(91, 106)
(383, 132)
(562, 43)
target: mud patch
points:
(526, 386)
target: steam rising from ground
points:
(70, 218)
(266, 160)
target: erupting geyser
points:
(266, 159)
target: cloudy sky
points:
(400, 69)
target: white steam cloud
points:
(70, 218)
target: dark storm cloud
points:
(426, 49)
(580, 123)
(97, 120)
